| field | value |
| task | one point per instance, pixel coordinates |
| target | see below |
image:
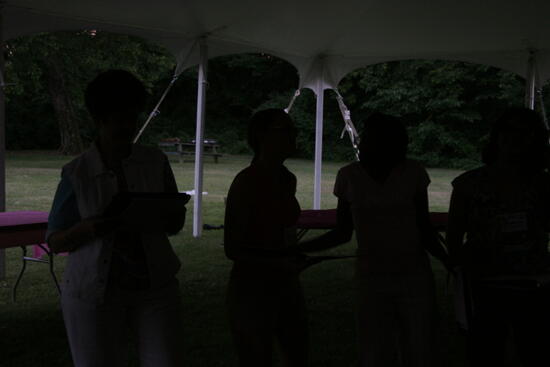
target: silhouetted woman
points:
(503, 210)
(384, 199)
(117, 278)
(264, 299)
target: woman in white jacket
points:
(115, 278)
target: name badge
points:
(513, 222)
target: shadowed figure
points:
(497, 233)
(264, 298)
(118, 276)
(384, 199)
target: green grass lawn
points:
(32, 333)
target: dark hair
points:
(113, 92)
(384, 139)
(535, 159)
(260, 123)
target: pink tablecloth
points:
(317, 219)
(38, 252)
(439, 220)
(11, 220)
(24, 228)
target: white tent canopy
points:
(346, 34)
(323, 40)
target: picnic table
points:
(174, 146)
(22, 229)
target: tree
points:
(448, 106)
(54, 69)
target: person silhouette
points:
(116, 277)
(497, 233)
(383, 197)
(264, 298)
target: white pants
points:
(396, 318)
(98, 334)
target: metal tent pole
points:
(318, 143)
(539, 92)
(199, 139)
(542, 108)
(530, 81)
(182, 62)
(2, 139)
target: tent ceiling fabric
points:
(320, 39)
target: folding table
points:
(22, 229)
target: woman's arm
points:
(335, 237)
(64, 215)
(66, 229)
(67, 240)
(172, 224)
(456, 226)
(238, 219)
(428, 235)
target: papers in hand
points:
(146, 212)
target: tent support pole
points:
(531, 81)
(2, 140)
(318, 144)
(199, 139)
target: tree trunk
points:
(69, 130)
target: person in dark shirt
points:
(497, 233)
(265, 300)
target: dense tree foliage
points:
(48, 74)
(447, 106)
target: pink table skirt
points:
(38, 252)
(24, 228)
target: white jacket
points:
(145, 170)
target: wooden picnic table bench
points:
(181, 149)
